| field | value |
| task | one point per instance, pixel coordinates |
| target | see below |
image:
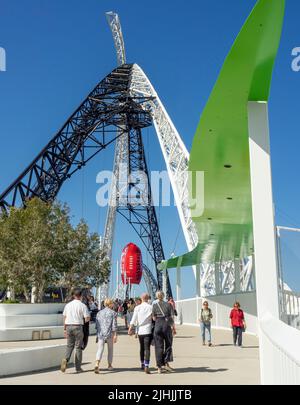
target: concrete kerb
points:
(25, 360)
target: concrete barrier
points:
(31, 333)
(18, 361)
(36, 333)
(31, 321)
(29, 309)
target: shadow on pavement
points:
(185, 337)
(199, 370)
(230, 344)
(153, 370)
(48, 370)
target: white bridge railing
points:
(189, 310)
(291, 308)
(279, 352)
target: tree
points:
(86, 264)
(39, 248)
(13, 274)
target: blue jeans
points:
(237, 335)
(205, 326)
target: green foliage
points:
(39, 247)
(9, 301)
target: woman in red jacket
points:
(237, 323)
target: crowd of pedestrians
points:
(152, 323)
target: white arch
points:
(173, 149)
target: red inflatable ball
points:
(131, 264)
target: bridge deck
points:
(194, 363)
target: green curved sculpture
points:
(221, 144)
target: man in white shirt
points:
(75, 314)
(142, 318)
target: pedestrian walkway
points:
(194, 363)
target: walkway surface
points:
(194, 364)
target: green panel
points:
(221, 139)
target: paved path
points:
(194, 363)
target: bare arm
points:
(115, 328)
(133, 321)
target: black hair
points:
(77, 292)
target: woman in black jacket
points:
(163, 315)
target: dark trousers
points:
(145, 343)
(237, 335)
(163, 340)
(86, 334)
(74, 340)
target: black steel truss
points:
(93, 126)
(150, 281)
(108, 112)
(138, 208)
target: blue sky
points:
(57, 51)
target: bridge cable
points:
(176, 240)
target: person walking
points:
(137, 302)
(162, 313)
(130, 309)
(106, 326)
(125, 308)
(75, 315)
(142, 318)
(238, 324)
(85, 299)
(172, 302)
(116, 305)
(93, 306)
(205, 323)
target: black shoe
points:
(79, 371)
(142, 367)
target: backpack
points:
(210, 314)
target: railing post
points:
(198, 289)
(178, 290)
(266, 266)
(178, 283)
(164, 282)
